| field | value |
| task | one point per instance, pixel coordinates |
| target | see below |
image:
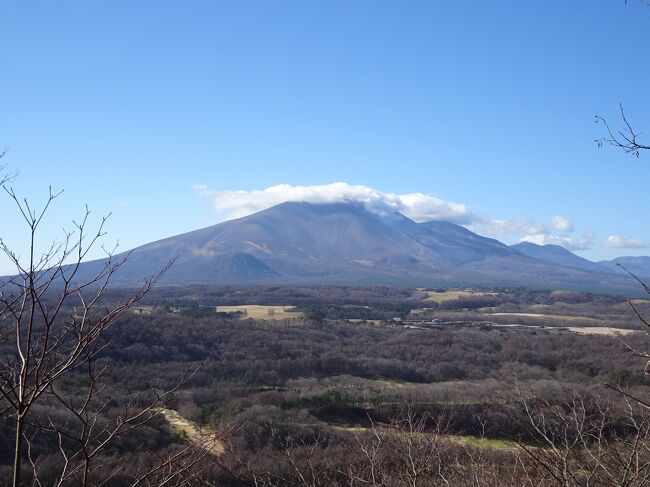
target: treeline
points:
(286, 295)
(271, 353)
(280, 295)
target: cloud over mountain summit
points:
(419, 207)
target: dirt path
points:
(204, 437)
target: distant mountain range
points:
(345, 243)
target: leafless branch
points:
(625, 138)
(52, 320)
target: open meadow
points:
(261, 312)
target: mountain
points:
(456, 244)
(557, 255)
(640, 266)
(345, 243)
(293, 241)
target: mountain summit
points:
(346, 243)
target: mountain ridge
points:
(346, 243)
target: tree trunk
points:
(18, 451)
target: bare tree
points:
(412, 450)
(573, 441)
(5, 177)
(626, 137)
(629, 140)
(53, 318)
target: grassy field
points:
(440, 297)
(483, 442)
(261, 312)
(600, 330)
(474, 441)
(204, 437)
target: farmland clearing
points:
(262, 312)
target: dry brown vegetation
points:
(261, 312)
(442, 296)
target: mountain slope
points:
(556, 255)
(640, 266)
(345, 243)
(286, 242)
(294, 241)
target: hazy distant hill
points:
(557, 255)
(348, 244)
(637, 265)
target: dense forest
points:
(336, 378)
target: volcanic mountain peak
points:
(348, 243)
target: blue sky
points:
(158, 111)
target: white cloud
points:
(562, 224)
(418, 206)
(618, 242)
(583, 243)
